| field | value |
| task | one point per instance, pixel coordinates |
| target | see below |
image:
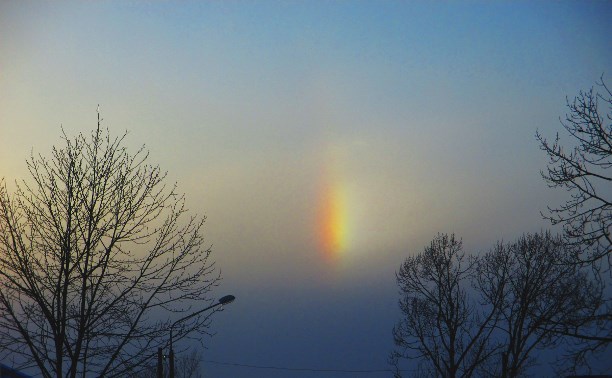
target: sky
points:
(325, 141)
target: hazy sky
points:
(324, 140)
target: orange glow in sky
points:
(332, 221)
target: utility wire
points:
(270, 367)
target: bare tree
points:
(582, 168)
(441, 326)
(540, 295)
(96, 253)
(187, 366)
(530, 299)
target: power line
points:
(271, 367)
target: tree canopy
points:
(97, 252)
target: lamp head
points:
(226, 299)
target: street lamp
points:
(222, 301)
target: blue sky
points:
(424, 113)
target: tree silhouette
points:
(441, 326)
(527, 299)
(582, 168)
(539, 296)
(187, 366)
(96, 252)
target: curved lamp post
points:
(222, 301)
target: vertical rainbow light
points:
(332, 219)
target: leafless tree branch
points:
(96, 252)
